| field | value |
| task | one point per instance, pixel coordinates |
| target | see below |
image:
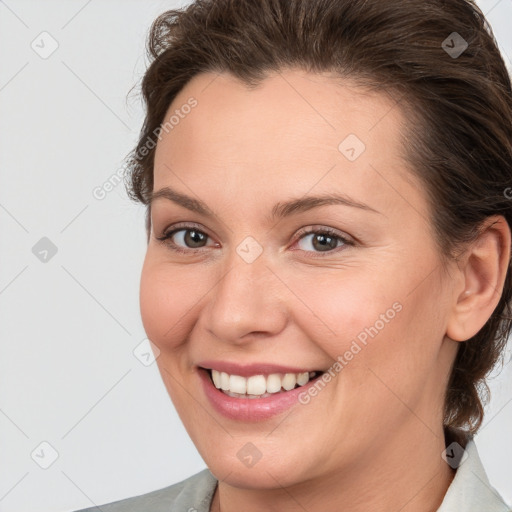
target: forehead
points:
(295, 129)
(291, 107)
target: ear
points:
(483, 268)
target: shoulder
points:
(191, 495)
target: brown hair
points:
(459, 112)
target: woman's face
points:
(250, 284)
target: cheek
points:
(372, 320)
(165, 307)
(345, 308)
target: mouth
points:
(259, 385)
(261, 392)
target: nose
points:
(247, 303)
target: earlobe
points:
(483, 268)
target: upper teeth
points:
(258, 384)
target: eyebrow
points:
(280, 210)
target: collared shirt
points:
(470, 491)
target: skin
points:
(372, 438)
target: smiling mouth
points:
(259, 386)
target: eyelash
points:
(166, 239)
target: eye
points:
(184, 239)
(189, 239)
(322, 240)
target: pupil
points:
(194, 237)
(325, 241)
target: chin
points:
(256, 464)
(261, 476)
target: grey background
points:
(70, 320)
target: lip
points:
(246, 370)
(252, 409)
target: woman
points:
(327, 274)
